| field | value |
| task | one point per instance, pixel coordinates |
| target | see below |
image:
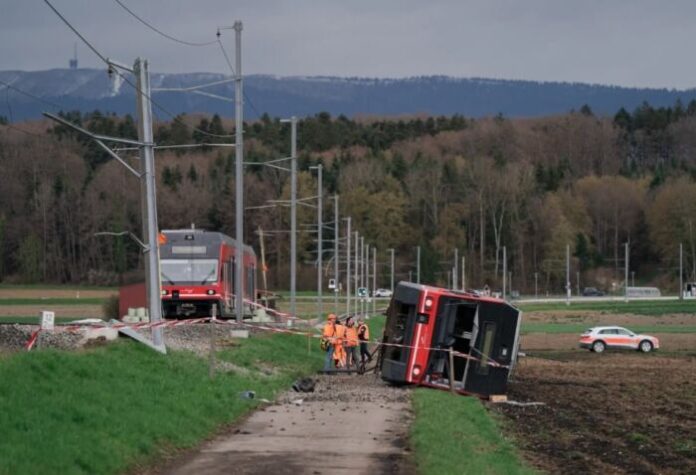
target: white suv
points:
(598, 339)
(383, 293)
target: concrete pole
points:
(536, 285)
(149, 199)
(366, 276)
(577, 282)
(348, 283)
(239, 176)
(681, 271)
(293, 216)
(361, 263)
(464, 273)
(504, 272)
(374, 280)
(336, 256)
(626, 257)
(418, 264)
(355, 275)
(568, 284)
(320, 237)
(391, 258)
(455, 273)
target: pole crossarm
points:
(267, 164)
(98, 139)
(194, 88)
(105, 138)
(135, 238)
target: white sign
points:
(47, 320)
(332, 284)
(362, 292)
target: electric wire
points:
(160, 32)
(174, 117)
(53, 105)
(234, 73)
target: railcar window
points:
(396, 328)
(190, 271)
(487, 347)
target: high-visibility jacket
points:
(339, 353)
(329, 330)
(351, 336)
(363, 332)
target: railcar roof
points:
(203, 236)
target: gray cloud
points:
(633, 43)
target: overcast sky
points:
(622, 42)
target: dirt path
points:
(349, 425)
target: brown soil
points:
(609, 413)
(76, 311)
(569, 341)
(55, 293)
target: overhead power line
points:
(30, 95)
(160, 32)
(229, 64)
(129, 82)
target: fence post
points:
(451, 370)
(211, 360)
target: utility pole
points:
(366, 276)
(504, 271)
(149, 199)
(293, 216)
(348, 265)
(239, 175)
(374, 280)
(336, 256)
(633, 278)
(567, 274)
(362, 267)
(320, 250)
(455, 273)
(464, 273)
(536, 285)
(355, 272)
(577, 281)
(681, 271)
(417, 264)
(391, 258)
(626, 273)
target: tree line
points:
(533, 186)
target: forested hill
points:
(90, 89)
(533, 186)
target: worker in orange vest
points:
(329, 335)
(364, 337)
(339, 354)
(351, 343)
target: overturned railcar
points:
(424, 323)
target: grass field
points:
(578, 328)
(51, 301)
(456, 435)
(638, 307)
(115, 408)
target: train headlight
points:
(428, 303)
(416, 371)
(211, 292)
(164, 292)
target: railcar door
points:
(398, 330)
(495, 342)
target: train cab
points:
(424, 323)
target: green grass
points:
(52, 301)
(639, 307)
(455, 435)
(581, 327)
(112, 409)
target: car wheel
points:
(645, 346)
(598, 346)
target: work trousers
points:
(351, 356)
(364, 352)
(328, 361)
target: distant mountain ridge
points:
(91, 89)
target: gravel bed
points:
(350, 389)
(14, 337)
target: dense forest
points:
(532, 186)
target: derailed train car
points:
(424, 323)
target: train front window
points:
(189, 271)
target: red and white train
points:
(198, 271)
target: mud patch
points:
(610, 413)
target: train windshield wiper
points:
(167, 278)
(205, 279)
